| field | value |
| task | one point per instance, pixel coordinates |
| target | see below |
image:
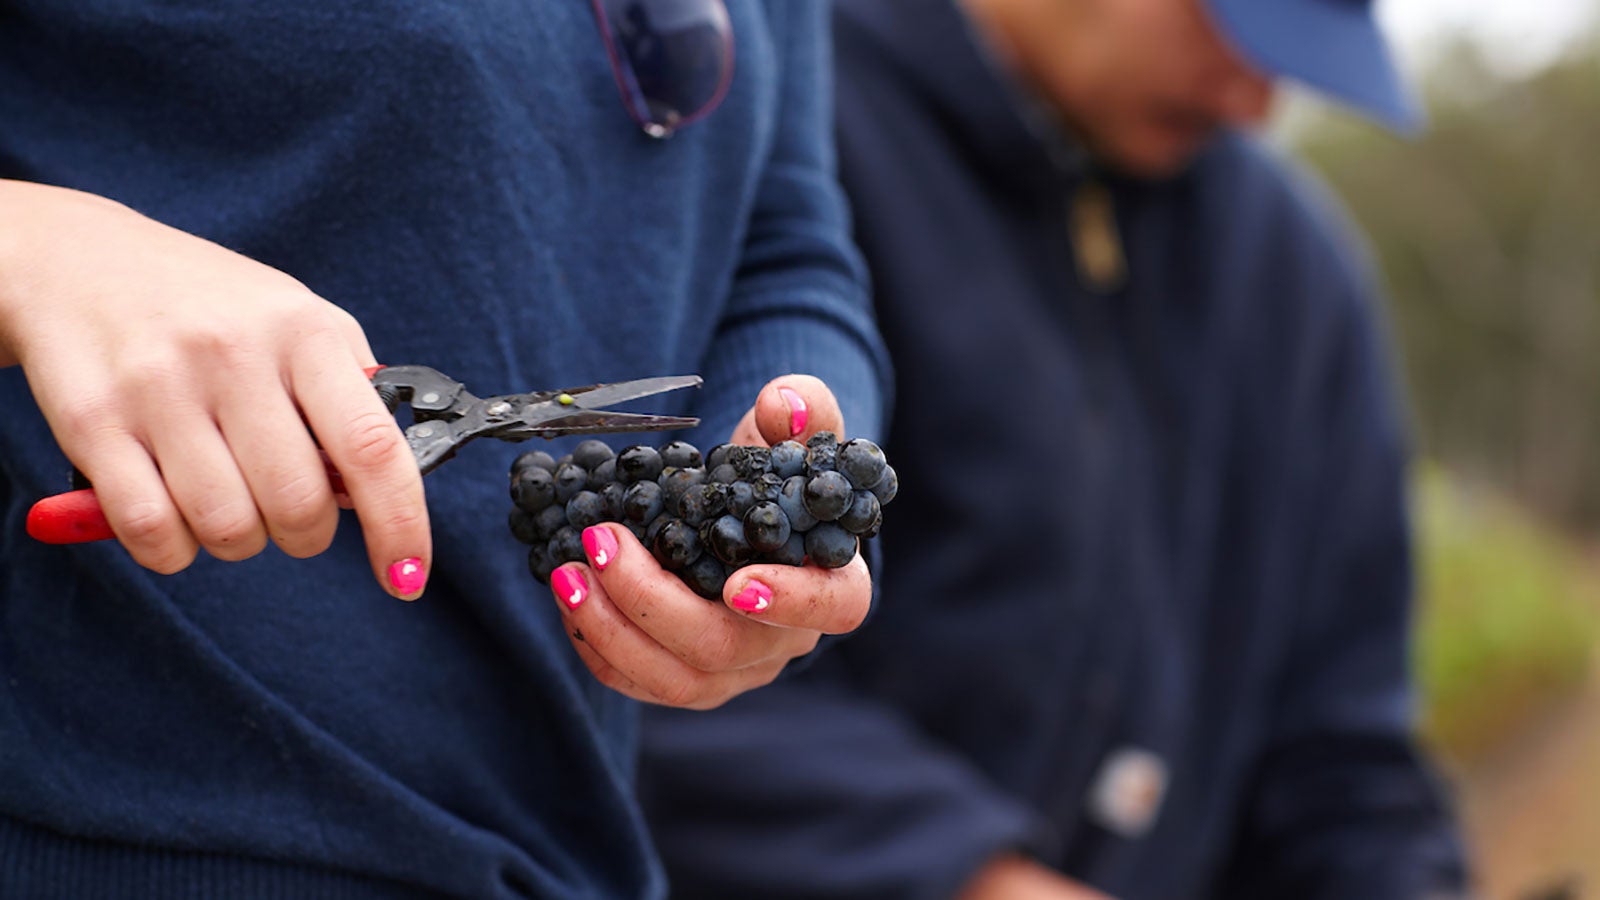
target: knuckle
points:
(682, 690)
(373, 441)
(300, 504)
(717, 650)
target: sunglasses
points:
(673, 59)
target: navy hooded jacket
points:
(1146, 585)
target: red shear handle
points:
(76, 517)
(71, 518)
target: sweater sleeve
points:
(804, 790)
(799, 299)
(1342, 802)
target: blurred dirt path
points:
(1532, 811)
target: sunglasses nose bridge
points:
(672, 59)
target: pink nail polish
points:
(570, 586)
(798, 414)
(601, 545)
(407, 577)
(755, 597)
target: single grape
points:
(830, 546)
(591, 453)
(862, 462)
(750, 462)
(766, 527)
(680, 454)
(863, 514)
(706, 576)
(741, 496)
(539, 563)
(717, 455)
(675, 482)
(566, 546)
(570, 479)
(522, 527)
(767, 488)
(792, 552)
(792, 499)
(702, 503)
(642, 503)
(534, 458)
(788, 459)
(532, 488)
(549, 520)
(888, 487)
(827, 496)
(727, 540)
(613, 495)
(723, 474)
(584, 509)
(676, 545)
(639, 463)
(603, 474)
(822, 453)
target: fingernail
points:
(569, 585)
(407, 577)
(601, 545)
(798, 414)
(754, 598)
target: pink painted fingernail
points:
(798, 414)
(601, 545)
(407, 577)
(570, 586)
(755, 597)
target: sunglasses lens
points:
(673, 58)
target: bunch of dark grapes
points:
(705, 517)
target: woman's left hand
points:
(644, 633)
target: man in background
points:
(1146, 587)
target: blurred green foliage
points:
(1487, 231)
(1508, 618)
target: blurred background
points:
(1487, 231)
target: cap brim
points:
(1333, 46)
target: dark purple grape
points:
(613, 495)
(821, 453)
(830, 546)
(675, 482)
(717, 455)
(591, 453)
(639, 463)
(792, 499)
(702, 503)
(723, 474)
(792, 553)
(749, 462)
(549, 520)
(767, 488)
(652, 530)
(727, 541)
(603, 474)
(863, 514)
(532, 488)
(766, 527)
(642, 503)
(539, 563)
(705, 576)
(788, 459)
(862, 462)
(523, 527)
(827, 496)
(681, 455)
(676, 545)
(741, 496)
(584, 509)
(570, 479)
(534, 458)
(888, 487)
(566, 546)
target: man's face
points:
(1144, 82)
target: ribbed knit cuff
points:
(40, 864)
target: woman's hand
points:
(642, 632)
(193, 386)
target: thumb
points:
(790, 408)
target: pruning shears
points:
(445, 415)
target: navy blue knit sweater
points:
(465, 180)
(1150, 526)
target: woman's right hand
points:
(193, 386)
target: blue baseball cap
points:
(1333, 46)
